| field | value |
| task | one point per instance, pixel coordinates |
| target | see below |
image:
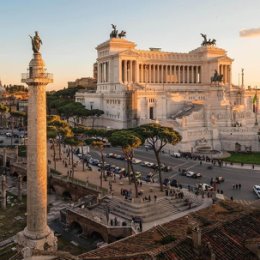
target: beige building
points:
(135, 87)
(87, 83)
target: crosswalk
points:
(244, 202)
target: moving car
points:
(197, 175)
(190, 174)
(256, 189)
(205, 187)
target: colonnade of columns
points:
(225, 70)
(128, 71)
(156, 73)
(103, 72)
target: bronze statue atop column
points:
(36, 42)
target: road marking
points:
(244, 202)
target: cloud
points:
(254, 32)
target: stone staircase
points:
(147, 211)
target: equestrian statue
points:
(216, 77)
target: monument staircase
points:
(147, 211)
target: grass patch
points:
(7, 252)
(22, 150)
(246, 158)
(9, 226)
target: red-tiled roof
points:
(226, 237)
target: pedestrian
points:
(239, 186)
(218, 190)
(231, 198)
(253, 166)
(200, 162)
(236, 186)
(221, 192)
(155, 198)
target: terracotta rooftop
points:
(225, 227)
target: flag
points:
(255, 104)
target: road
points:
(247, 178)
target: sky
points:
(71, 30)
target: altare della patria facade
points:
(191, 92)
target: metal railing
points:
(26, 76)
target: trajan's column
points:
(37, 234)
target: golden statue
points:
(36, 42)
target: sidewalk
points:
(93, 177)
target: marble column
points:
(125, 71)
(37, 234)
(130, 71)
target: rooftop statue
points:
(207, 42)
(115, 34)
(36, 42)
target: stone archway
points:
(76, 228)
(97, 236)
(67, 195)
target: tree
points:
(95, 113)
(157, 137)
(3, 111)
(128, 141)
(72, 142)
(52, 134)
(61, 127)
(99, 144)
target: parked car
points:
(110, 155)
(136, 161)
(176, 155)
(190, 174)
(166, 182)
(174, 183)
(148, 178)
(148, 147)
(256, 189)
(8, 134)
